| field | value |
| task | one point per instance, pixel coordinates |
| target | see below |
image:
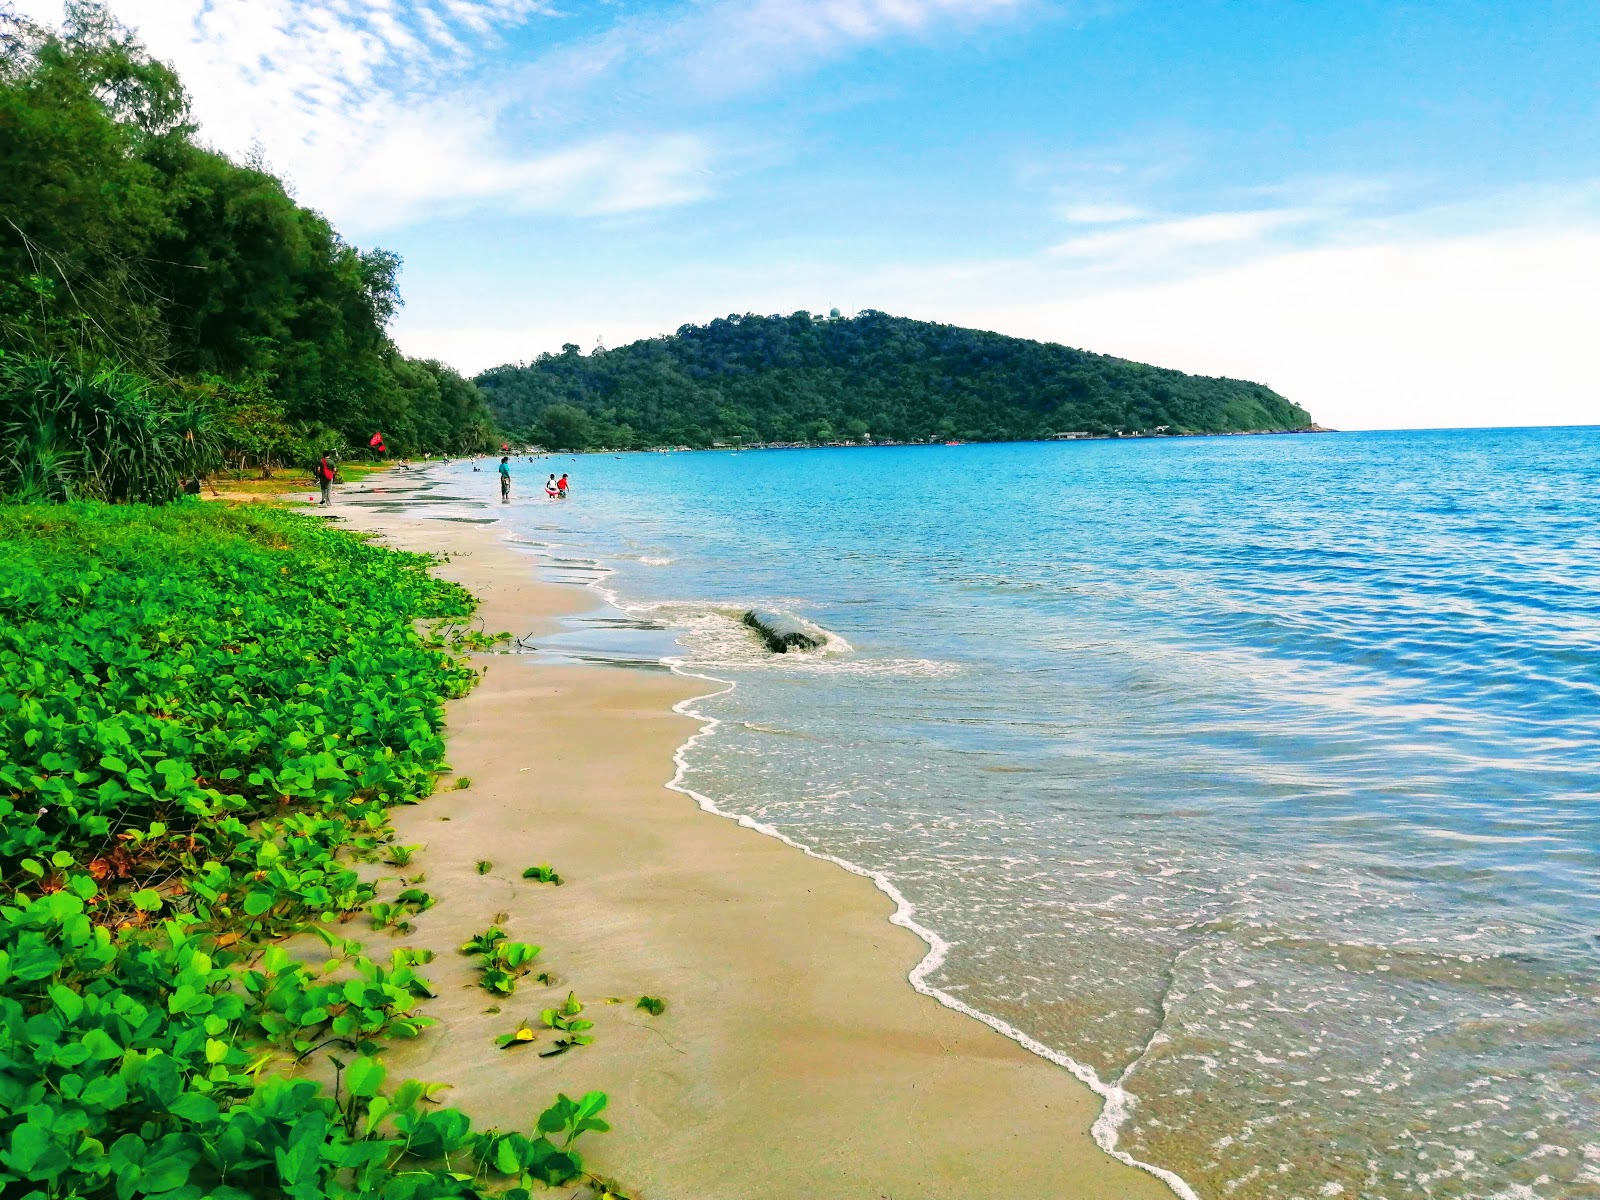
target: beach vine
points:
(206, 715)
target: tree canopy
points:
(127, 244)
(809, 379)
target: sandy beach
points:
(793, 1060)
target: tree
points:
(565, 427)
(129, 250)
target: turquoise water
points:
(1258, 776)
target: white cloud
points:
(1158, 241)
(386, 112)
(377, 111)
(1491, 328)
(741, 42)
(715, 49)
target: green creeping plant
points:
(206, 715)
(484, 866)
(485, 942)
(565, 1021)
(455, 635)
(654, 1005)
(543, 873)
(392, 916)
(522, 1035)
(501, 963)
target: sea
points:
(1256, 780)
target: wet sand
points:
(794, 1060)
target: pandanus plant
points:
(97, 432)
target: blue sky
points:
(1390, 212)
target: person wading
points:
(505, 481)
(325, 472)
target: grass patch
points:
(289, 480)
(206, 714)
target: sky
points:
(1389, 212)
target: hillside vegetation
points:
(807, 379)
(166, 308)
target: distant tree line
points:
(156, 288)
(809, 379)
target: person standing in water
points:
(505, 481)
(325, 472)
(550, 487)
(561, 486)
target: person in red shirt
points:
(561, 487)
(325, 472)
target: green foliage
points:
(801, 379)
(653, 1005)
(501, 963)
(205, 716)
(104, 434)
(462, 636)
(393, 915)
(574, 1029)
(543, 873)
(128, 246)
(522, 1035)
(485, 942)
(564, 427)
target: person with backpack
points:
(325, 472)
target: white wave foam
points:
(926, 668)
(1117, 1101)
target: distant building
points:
(1069, 437)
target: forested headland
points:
(804, 379)
(165, 308)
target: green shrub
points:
(97, 432)
(205, 715)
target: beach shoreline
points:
(794, 1058)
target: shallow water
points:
(1259, 775)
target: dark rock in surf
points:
(781, 634)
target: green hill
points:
(807, 379)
